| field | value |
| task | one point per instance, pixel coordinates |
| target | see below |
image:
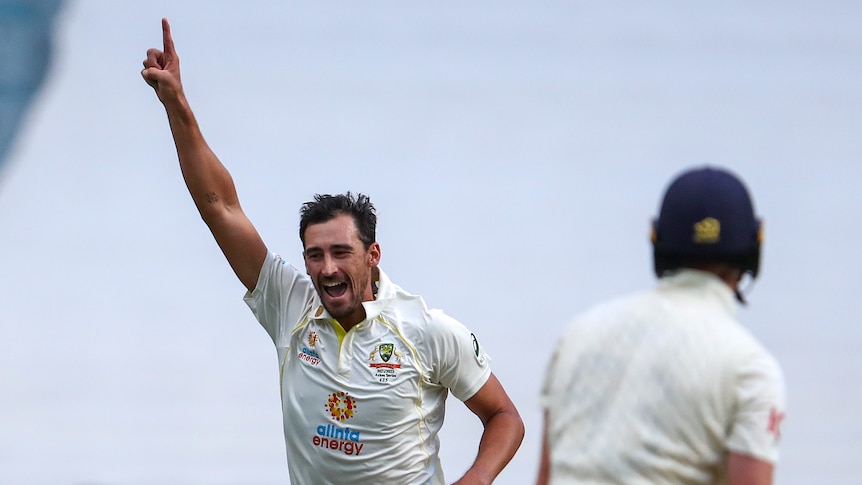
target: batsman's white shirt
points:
(364, 406)
(657, 387)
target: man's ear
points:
(374, 254)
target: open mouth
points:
(335, 290)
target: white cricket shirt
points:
(657, 387)
(364, 406)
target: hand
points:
(162, 68)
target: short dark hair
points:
(326, 207)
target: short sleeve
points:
(760, 397)
(280, 298)
(459, 362)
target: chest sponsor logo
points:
(336, 438)
(341, 406)
(385, 360)
(307, 353)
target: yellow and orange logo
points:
(707, 231)
(341, 406)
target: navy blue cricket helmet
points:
(706, 215)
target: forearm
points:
(544, 475)
(208, 181)
(502, 437)
(747, 470)
(206, 178)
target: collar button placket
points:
(345, 354)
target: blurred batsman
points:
(365, 367)
(665, 386)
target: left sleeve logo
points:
(480, 356)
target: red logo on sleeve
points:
(774, 426)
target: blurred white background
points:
(516, 152)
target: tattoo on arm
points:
(212, 197)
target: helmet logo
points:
(707, 231)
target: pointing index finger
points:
(167, 40)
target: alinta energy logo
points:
(341, 406)
(333, 437)
(307, 353)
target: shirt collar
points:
(704, 281)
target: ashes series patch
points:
(385, 360)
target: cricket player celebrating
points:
(365, 366)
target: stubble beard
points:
(342, 312)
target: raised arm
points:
(208, 181)
(504, 431)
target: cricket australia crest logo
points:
(386, 351)
(384, 360)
